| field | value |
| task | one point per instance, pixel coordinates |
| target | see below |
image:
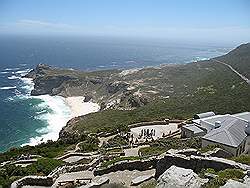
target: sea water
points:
(25, 119)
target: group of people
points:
(147, 133)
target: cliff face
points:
(108, 88)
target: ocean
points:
(25, 119)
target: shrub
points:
(245, 159)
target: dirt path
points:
(235, 71)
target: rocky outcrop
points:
(140, 165)
(46, 181)
(196, 163)
(138, 180)
(176, 177)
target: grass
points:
(222, 177)
(42, 167)
(49, 150)
(162, 145)
(151, 151)
(150, 184)
(116, 142)
(245, 159)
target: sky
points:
(223, 20)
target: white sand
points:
(79, 108)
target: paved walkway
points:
(235, 71)
(133, 151)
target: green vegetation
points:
(150, 184)
(43, 166)
(50, 149)
(117, 159)
(222, 176)
(117, 141)
(162, 145)
(245, 159)
(239, 59)
(89, 144)
(151, 151)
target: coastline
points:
(79, 108)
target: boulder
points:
(141, 179)
(187, 152)
(218, 152)
(176, 177)
(234, 184)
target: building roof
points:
(209, 122)
(244, 115)
(193, 128)
(230, 133)
(204, 115)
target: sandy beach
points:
(79, 107)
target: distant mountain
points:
(239, 59)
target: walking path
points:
(133, 151)
(235, 71)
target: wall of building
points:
(186, 133)
(232, 150)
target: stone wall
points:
(140, 165)
(33, 181)
(154, 123)
(195, 163)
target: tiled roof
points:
(243, 115)
(231, 132)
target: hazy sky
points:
(223, 20)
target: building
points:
(228, 131)
(204, 115)
(230, 135)
(191, 130)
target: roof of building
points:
(230, 133)
(244, 115)
(204, 115)
(208, 123)
(193, 128)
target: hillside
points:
(169, 91)
(239, 59)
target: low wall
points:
(195, 163)
(74, 154)
(154, 123)
(140, 165)
(33, 181)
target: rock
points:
(210, 175)
(234, 184)
(141, 179)
(218, 152)
(99, 182)
(87, 98)
(176, 177)
(186, 152)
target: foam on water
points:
(7, 87)
(13, 77)
(55, 119)
(51, 110)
